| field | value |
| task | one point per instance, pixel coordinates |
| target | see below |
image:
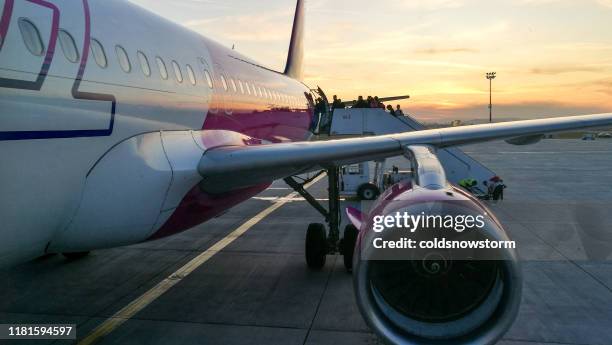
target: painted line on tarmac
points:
(162, 287)
(288, 198)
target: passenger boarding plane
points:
(118, 126)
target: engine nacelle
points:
(435, 296)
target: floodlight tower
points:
(491, 76)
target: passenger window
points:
(248, 89)
(161, 65)
(31, 37)
(191, 75)
(177, 71)
(260, 91)
(233, 83)
(124, 60)
(144, 64)
(68, 46)
(98, 53)
(208, 79)
(224, 82)
(241, 86)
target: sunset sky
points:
(552, 57)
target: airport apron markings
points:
(160, 288)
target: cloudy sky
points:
(552, 57)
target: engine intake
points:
(439, 296)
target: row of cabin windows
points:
(32, 39)
(257, 91)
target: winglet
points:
(294, 67)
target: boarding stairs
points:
(354, 122)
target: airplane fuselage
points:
(93, 145)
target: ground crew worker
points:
(496, 188)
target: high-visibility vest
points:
(467, 182)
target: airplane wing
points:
(230, 167)
(384, 100)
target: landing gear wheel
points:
(316, 245)
(348, 246)
(368, 191)
(75, 255)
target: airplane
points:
(118, 126)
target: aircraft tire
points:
(368, 191)
(316, 246)
(348, 246)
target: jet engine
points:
(434, 295)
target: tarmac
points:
(258, 290)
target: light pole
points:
(490, 76)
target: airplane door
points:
(32, 68)
(26, 25)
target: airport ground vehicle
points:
(366, 180)
(357, 180)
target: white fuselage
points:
(93, 156)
